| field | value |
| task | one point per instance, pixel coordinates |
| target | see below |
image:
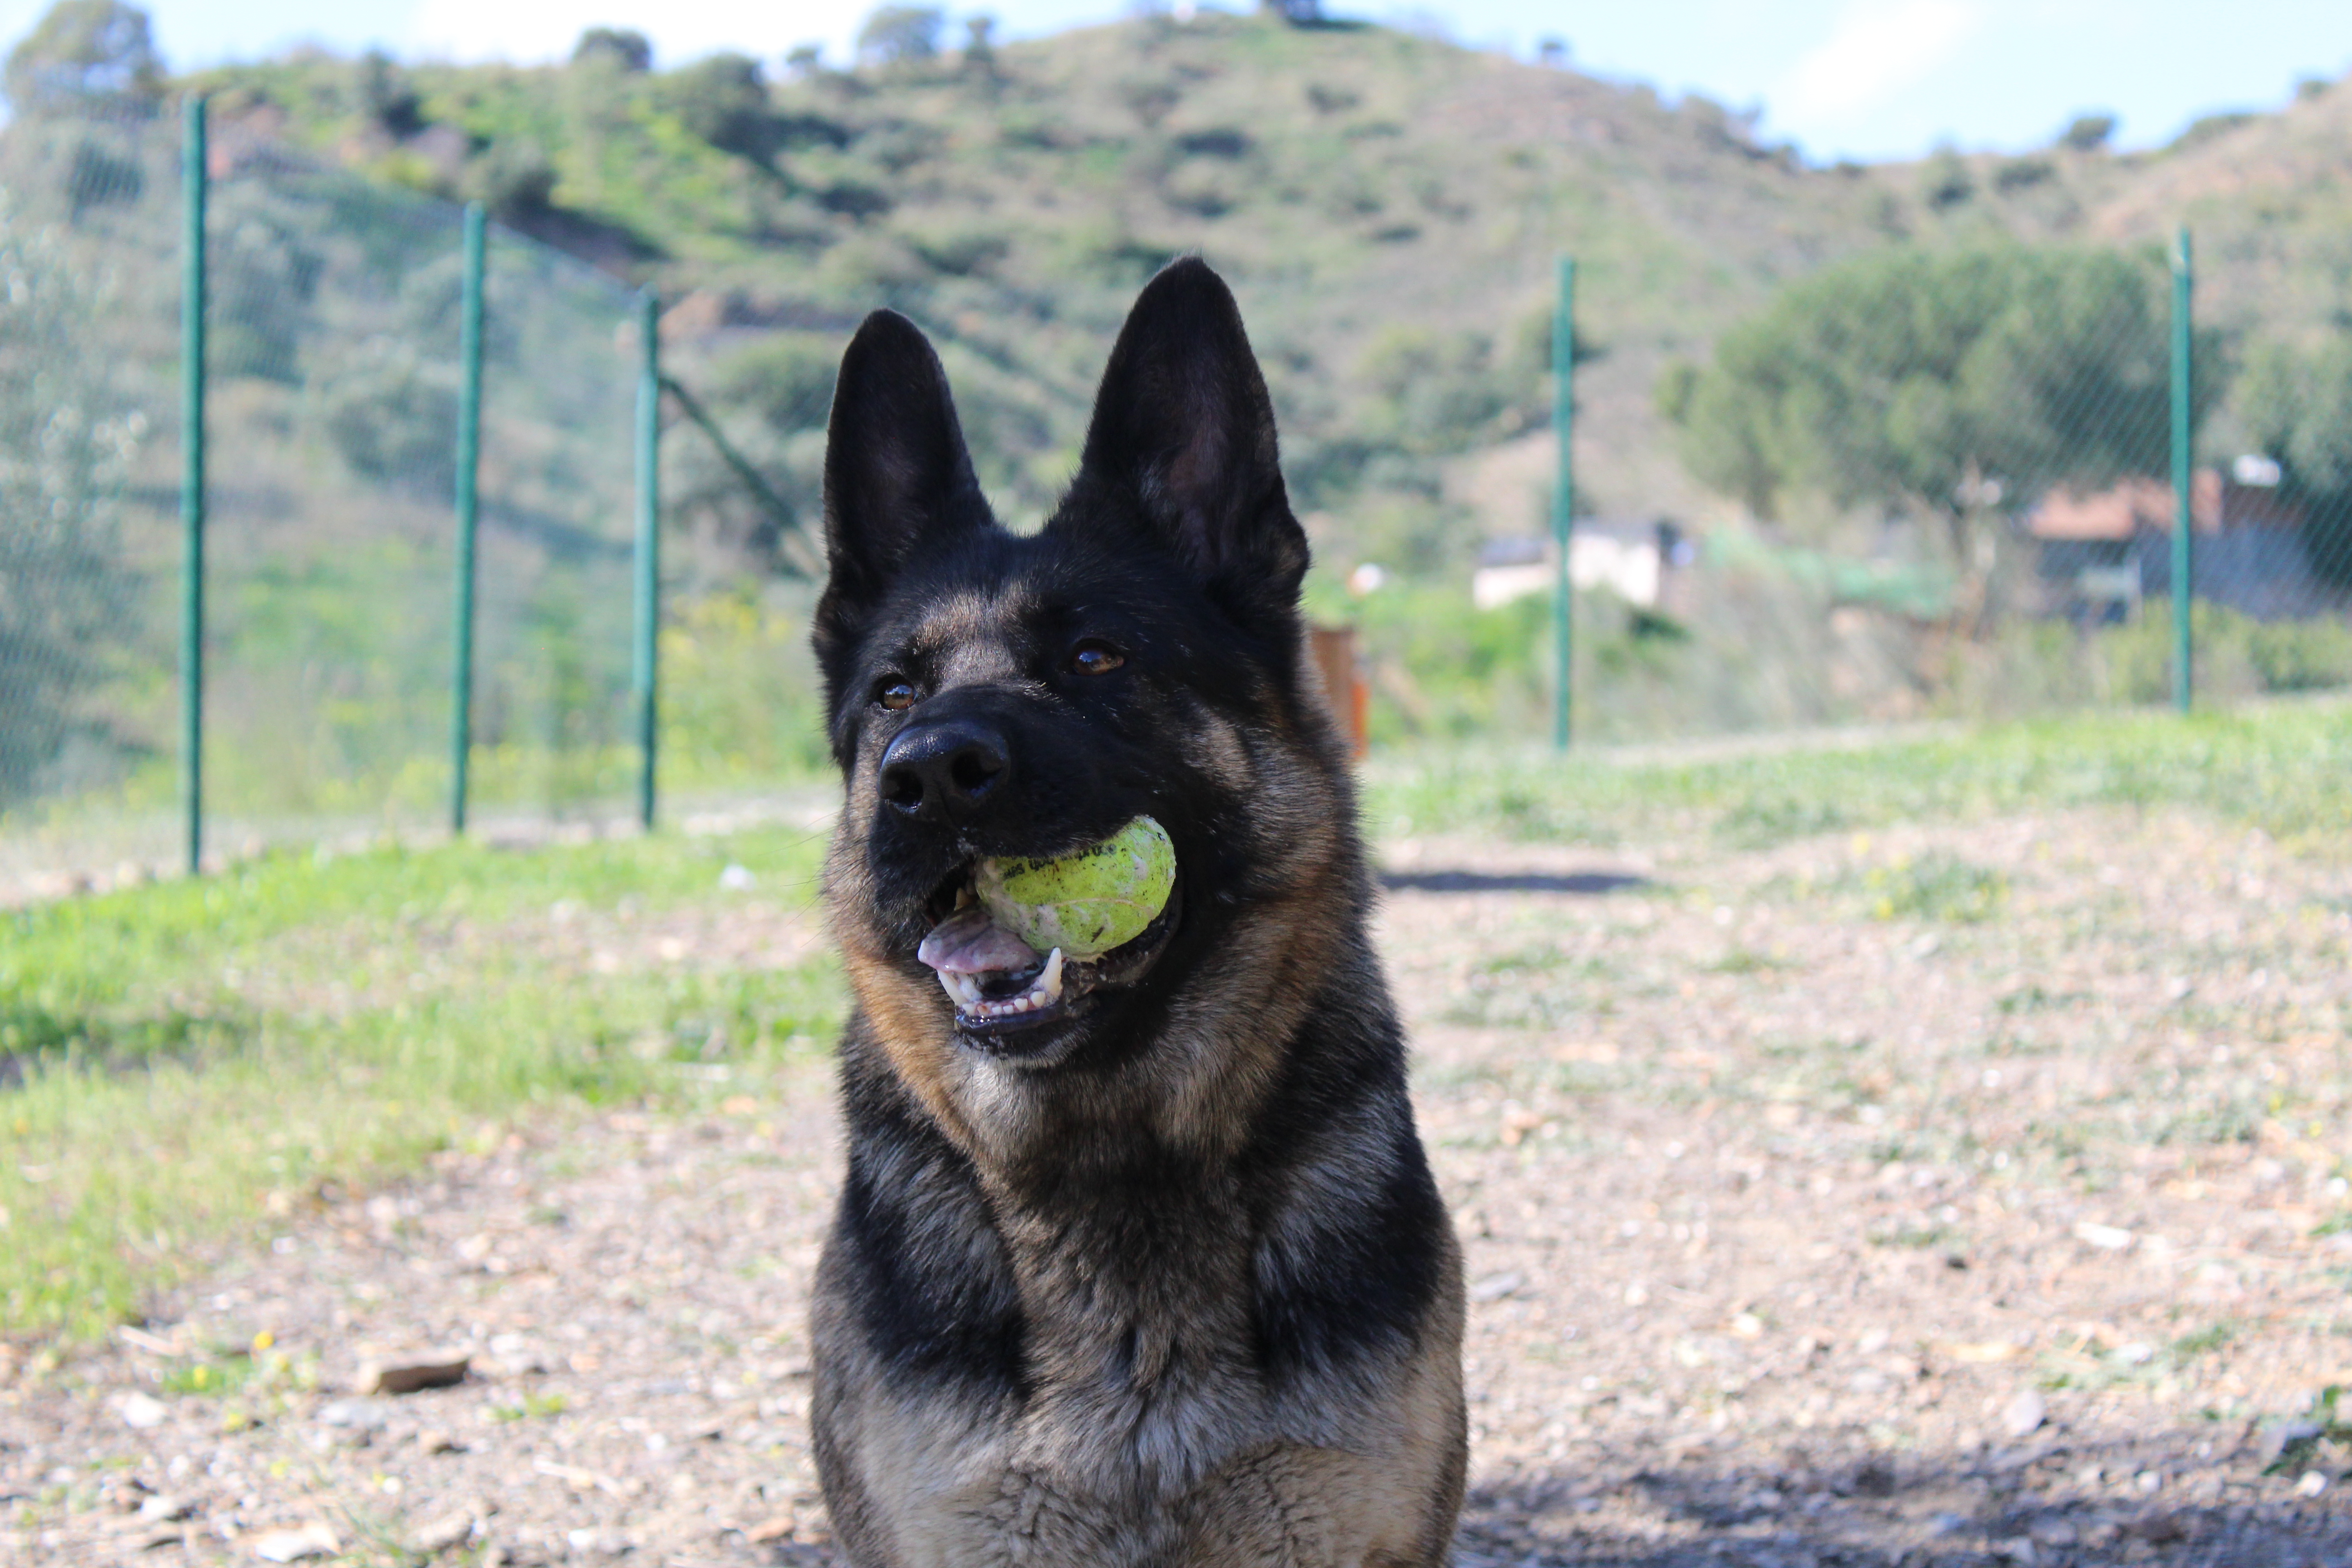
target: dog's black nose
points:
(943, 771)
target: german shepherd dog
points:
(1138, 1263)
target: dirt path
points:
(1976, 1195)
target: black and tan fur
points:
(1162, 1279)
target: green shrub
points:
(786, 380)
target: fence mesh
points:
(1927, 484)
(1924, 482)
(332, 409)
(89, 445)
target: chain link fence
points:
(1941, 484)
(331, 405)
(1923, 483)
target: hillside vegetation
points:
(1388, 205)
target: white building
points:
(1633, 559)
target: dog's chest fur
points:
(1141, 1332)
(1141, 1423)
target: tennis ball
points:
(1088, 903)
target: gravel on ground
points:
(1942, 1195)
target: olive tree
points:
(1931, 384)
(85, 55)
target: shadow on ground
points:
(2055, 1505)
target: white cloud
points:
(1874, 51)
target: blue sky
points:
(1865, 78)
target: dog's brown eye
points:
(895, 694)
(1097, 659)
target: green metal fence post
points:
(193, 175)
(1563, 498)
(644, 675)
(470, 467)
(2183, 478)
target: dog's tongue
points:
(969, 942)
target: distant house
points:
(1634, 559)
(2100, 554)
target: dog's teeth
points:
(964, 990)
(973, 1002)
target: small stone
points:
(406, 1375)
(1495, 1286)
(295, 1545)
(2024, 1415)
(2105, 1237)
(2278, 1440)
(164, 1508)
(453, 1530)
(432, 1440)
(512, 1355)
(1873, 1480)
(162, 1536)
(357, 1415)
(2313, 1483)
(143, 1412)
(597, 1541)
(777, 1527)
(2158, 1528)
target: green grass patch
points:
(533, 1406)
(194, 1060)
(1526, 988)
(2280, 768)
(1913, 1236)
(1934, 888)
(1747, 961)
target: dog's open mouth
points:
(1001, 985)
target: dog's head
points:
(998, 695)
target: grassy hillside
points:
(1388, 205)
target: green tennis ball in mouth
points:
(1088, 903)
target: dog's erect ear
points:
(897, 474)
(1184, 428)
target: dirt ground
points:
(1933, 1197)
